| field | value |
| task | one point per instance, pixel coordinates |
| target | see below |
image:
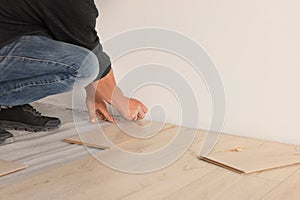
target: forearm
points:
(107, 89)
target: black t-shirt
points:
(71, 21)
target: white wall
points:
(254, 44)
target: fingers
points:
(98, 111)
(104, 115)
(134, 116)
(138, 111)
(92, 114)
(141, 113)
(100, 115)
(132, 109)
(138, 114)
(144, 108)
(140, 117)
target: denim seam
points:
(39, 60)
(37, 84)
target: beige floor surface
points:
(187, 178)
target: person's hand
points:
(106, 90)
(131, 109)
(97, 109)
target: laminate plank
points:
(154, 153)
(155, 143)
(246, 155)
(8, 167)
(224, 184)
(289, 189)
(173, 179)
(279, 174)
(124, 131)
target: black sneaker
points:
(26, 118)
(6, 137)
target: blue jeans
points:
(34, 67)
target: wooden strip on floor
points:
(117, 134)
(289, 189)
(246, 155)
(8, 167)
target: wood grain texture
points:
(224, 184)
(289, 189)
(254, 156)
(279, 174)
(89, 179)
(186, 178)
(7, 167)
(124, 131)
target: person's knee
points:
(89, 68)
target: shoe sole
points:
(25, 127)
(7, 141)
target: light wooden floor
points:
(188, 178)
(7, 167)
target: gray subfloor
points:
(41, 151)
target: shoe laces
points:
(31, 109)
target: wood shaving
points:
(238, 149)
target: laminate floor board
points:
(157, 151)
(247, 155)
(173, 179)
(117, 134)
(288, 189)
(159, 141)
(224, 184)
(279, 174)
(8, 167)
